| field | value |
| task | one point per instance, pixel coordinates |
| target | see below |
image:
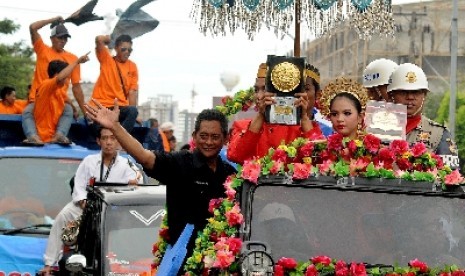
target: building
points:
(423, 37)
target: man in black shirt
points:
(192, 179)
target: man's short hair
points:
(152, 121)
(212, 115)
(6, 90)
(123, 38)
(55, 67)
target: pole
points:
(453, 69)
(297, 28)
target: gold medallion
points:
(411, 77)
(285, 77)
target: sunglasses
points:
(124, 49)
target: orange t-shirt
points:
(16, 108)
(108, 85)
(49, 106)
(45, 54)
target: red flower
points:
(164, 233)
(311, 271)
(458, 273)
(403, 164)
(439, 162)
(445, 274)
(325, 260)
(418, 149)
(215, 203)
(372, 143)
(352, 146)
(235, 245)
(279, 155)
(287, 263)
(307, 149)
(278, 270)
(251, 171)
(341, 268)
(335, 142)
(398, 147)
(225, 99)
(154, 248)
(386, 156)
(422, 267)
(357, 269)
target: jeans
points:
(128, 116)
(29, 125)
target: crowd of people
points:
(112, 112)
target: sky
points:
(174, 59)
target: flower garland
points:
(217, 247)
(240, 101)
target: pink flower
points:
(235, 245)
(372, 143)
(301, 171)
(398, 147)
(325, 166)
(208, 261)
(357, 269)
(358, 165)
(251, 171)
(287, 263)
(230, 192)
(324, 260)
(214, 204)
(276, 167)
(191, 144)
(234, 216)
(418, 149)
(311, 270)
(454, 178)
(421, 266)
(224, 259)
(341, 268)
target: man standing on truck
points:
(59, 37)
(106, 166)
(192, 178)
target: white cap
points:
(408, 76)
(275, 211)
(378, 72)
(166, 126)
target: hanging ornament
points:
(251, 4)
(323, 4)
(283, 4)
(216, 3)
(361, 5)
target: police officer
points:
(409, 86)
(376, 78)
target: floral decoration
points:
(240, 101)
(217, 247)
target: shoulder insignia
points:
(452, 146)
(434, 123)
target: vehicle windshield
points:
(376, 228)
(130, 232)
(33, 190)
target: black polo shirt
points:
(190, 185)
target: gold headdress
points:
(312, 72)
(261, 73)
(338, 86)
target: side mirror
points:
(76, 263)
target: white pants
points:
(54, 249)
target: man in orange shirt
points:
(9, 104)
(51, 99)
(118, 79)
(59, 37)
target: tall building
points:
(423, 37)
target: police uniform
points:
(437, 139)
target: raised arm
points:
(65, 73)
(101, 42)
(109, 119)
(36, 26)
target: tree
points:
(16, 63)
(432, 102)
(443, 116)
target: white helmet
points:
(408, 76)
(378, 72)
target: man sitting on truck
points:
(106, 166)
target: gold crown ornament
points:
(312, 72)
(338, 86)
(261, 73)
